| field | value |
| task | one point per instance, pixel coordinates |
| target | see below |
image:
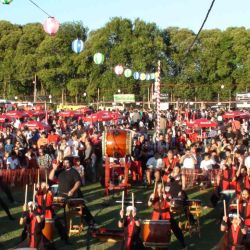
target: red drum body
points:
(48, 230)
(116, 143)
(156, 233)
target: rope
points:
(31, 1)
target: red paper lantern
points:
(51, 26)
(119, 69)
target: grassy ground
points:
(106, 212)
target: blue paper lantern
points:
(136, 75)
(152, 76)
(77, 46)
(147, 76)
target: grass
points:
(106, 212)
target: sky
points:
(165, 13)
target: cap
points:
(130, 209)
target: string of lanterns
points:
(51, 27)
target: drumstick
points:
(238, 214)
(155, 187)
(122, 200)
(162, 184)
(133, 200)
(26, 193)
(38, 177)
(225, 209)
(46, 177)
(34, 193)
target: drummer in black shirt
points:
(69, 183)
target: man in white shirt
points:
(207, 163)
(188, 160)
(154, 166)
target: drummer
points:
(32, 235)
(160, 201)
(44, 199)
(244, 206)
(131, 224)
(69, 183)
(236, 231)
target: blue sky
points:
(95, 13)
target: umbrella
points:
(99, 116)
(236, 114)
(32, 125)
(202, 123)
(3, 118)
(16, 114)
(69, 113)
(35, 113)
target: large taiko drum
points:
(116, 143)
(48, 230)
(156, 233)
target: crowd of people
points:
(180, 156)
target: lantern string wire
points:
(31, 1)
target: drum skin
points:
(156, 233)
(48, 230)
(116, 143)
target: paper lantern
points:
(147, 76)
(156, 74)
(6, 1)
(77, 46)
(127, 72)
(136, 75)
(119, 69)
(98, 58)
(152, 76)
(51, 26)
(143, 76)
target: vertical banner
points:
(158, 100)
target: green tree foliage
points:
(218, 58)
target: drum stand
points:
(195, 210)
(75, 212)
(110, 167)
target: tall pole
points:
(148, 98)
(158, 101)
(35, 90)
(98, 98)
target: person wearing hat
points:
(33, 223)
(236, 232)
(131, 224)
